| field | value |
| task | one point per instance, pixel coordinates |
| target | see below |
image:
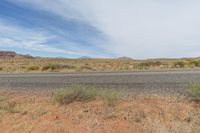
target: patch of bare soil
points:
(37, 113)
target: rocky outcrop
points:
(11, 54)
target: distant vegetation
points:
(195, 63)
(180, 64)
(33, 68)
(53, 67)
(91, 65)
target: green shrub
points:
(85, 67)
(33, 68)
(194, 91)
(10, 107)
(2, 98)
(157, 63)
(150, 64)
(75, 93)
(180, 64)
(195, 63)
(144, 65)
(53, 67)
(46, 67)
(86, 93)
(1, 68)
(110, 97)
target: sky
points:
(139, 29)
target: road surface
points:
(167, 81)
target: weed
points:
(150, 64)
(180, 64)
(110, 97)
(86, 67)
(75, 93)
(33, 68)
(53, 67)
(194, 91)
(67, 131)
(195, 63)
(2, 98)
(10, 107)
(46, 67)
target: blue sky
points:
(101, 28)
(44, 33)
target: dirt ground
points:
(33, 112)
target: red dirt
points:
(37, 113)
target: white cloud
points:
(137, 28)
(15, 37)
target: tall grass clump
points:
(149, 64)
(33, 68)
(79, 93)
(7, 106)
(53, 67)
(195, 63)
(194, 91)
(86, 67)
(180, 64)
(75, 93)
(110, 97)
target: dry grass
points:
(33, 68)
(110, 97)
(36, 113)
(75, 93)
(79, 93)
(84, 65)
(194, 91)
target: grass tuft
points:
(195, 63)
(79, 93)
(53, 67)
(75, 93)
(180, 64)
(194, 91)
(33, 68)
(11, 107)
(110, 97)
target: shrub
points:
(157, 63)
(1, 68)
(2, 98)
(75, 93)
(195, 63)
(53, 67)
(144, 64)
(33, 68)
(180, 64)
(11, 107)
(46, 67)
(85, 93)
(85, 67)
(150, 64)
(194, 91)
(110, 97)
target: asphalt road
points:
(168, 81)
